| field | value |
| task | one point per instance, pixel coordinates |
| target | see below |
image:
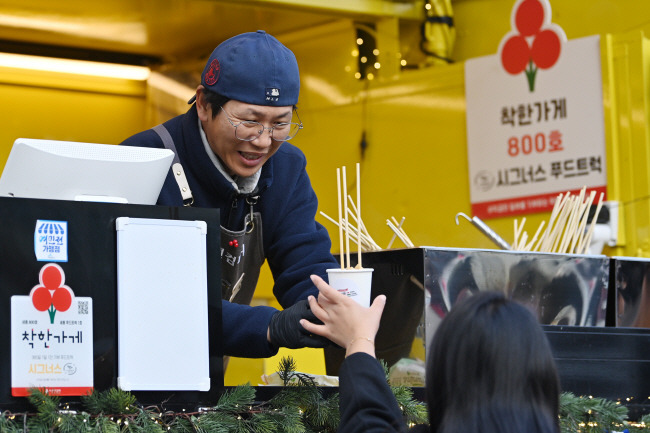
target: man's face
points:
(241, 158)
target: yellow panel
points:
(67, 107)
(481, 24)
(627, 58)
(244, 370)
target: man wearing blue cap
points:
(232, 153)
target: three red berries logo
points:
(534, 43)
(51, 294)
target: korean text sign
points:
(535, 120)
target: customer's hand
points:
(345, 322)
(286, 330)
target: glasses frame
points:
(264, 128)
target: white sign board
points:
(535, 121)
(162, 291)
(51, 338)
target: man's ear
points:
(202, 107)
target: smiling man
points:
(232, 151)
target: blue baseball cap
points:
(254, 68)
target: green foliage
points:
(110, 401)
(298, 408)
(593, 415)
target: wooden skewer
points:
(358, 218)
(406, 241)
(524, 238)
(364, 234)
(585, 248)
(560, 221)
(583, 224)
(529, 247)
(574, 221)
(359, 266)
(370, 241)
(515, 240)
(347, 234)
(581, 221)
(559, 204)
(397, 233)
(392, 239)
(561, 224)
(401, 230)
(338, 190)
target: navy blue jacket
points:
(295, 245)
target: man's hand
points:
(285, 329)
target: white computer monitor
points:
(67, 170)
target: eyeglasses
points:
(249, 130)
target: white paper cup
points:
(354, 283)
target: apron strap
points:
(250, 224)
(177, 168)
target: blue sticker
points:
(51, 241)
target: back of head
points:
(254, 68)
(491, 370)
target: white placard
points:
(162, 301)
(51, 349)
(527, 146)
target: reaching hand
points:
(285, 329)
(345, 322)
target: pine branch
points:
(104, 425)
(180, 425)
(46, 410)
(286, 368)
(237, 400)
(590, 414)
(8, 423)
(112, 401)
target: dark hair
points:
(215, 100)
(491, 370)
